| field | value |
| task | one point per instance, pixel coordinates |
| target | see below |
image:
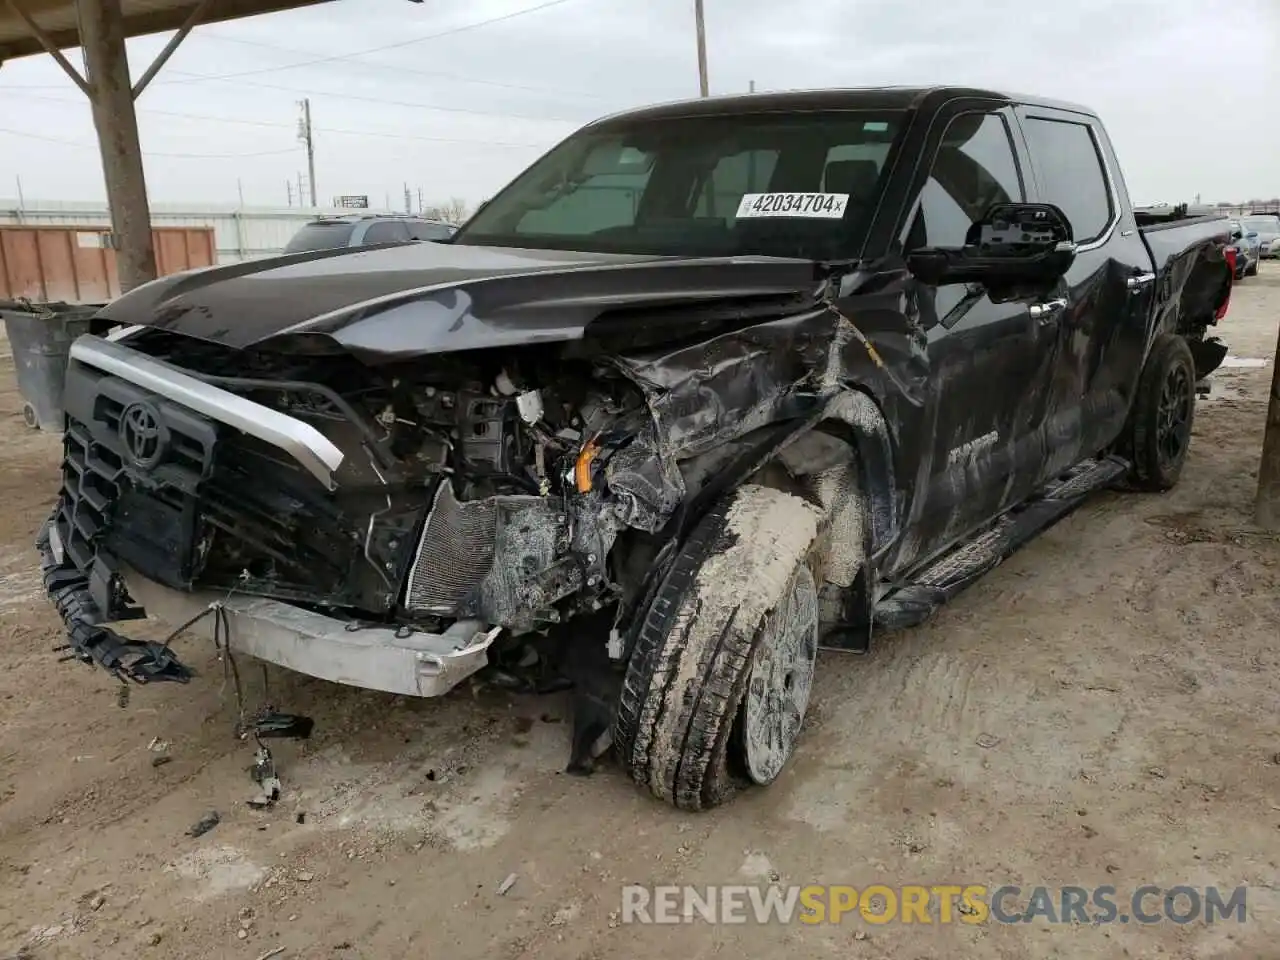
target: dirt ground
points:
(1102, 709)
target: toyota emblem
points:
(143, 434)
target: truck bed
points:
(1193, 280)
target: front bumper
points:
(393, 660)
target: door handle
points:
(1043, 311)
(1139, 280)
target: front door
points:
(989, 361)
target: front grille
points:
(455, 553)
(90, 486)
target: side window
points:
(975, 167)
(429, 231)
(385, 231)
(1071, 174)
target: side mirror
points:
(1253, 234)
(1012, 245)
(1236, 235)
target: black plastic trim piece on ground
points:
(89, 642)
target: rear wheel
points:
(718, 684)
(1163, 414)
(1252, 269)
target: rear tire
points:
(1163, 415)
(718, 684)
(1252, 270)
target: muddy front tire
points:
(1163, 414)
(718, 683)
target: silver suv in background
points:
(361, 230)
(1267, 227)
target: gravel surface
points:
(1101, 709)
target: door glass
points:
(1071, 173)
(975, 167)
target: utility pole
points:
(702, 48)
(408, 199)
(304, 134)
(301, 202)
(288, 191)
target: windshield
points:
(799, 185)
(1263, 224)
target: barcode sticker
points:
(819, 206)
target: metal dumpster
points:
(40, 337)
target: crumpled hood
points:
(429, 297)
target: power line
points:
(389, 46)
(277, 124)
(394, 103)
(305, 91)
(397, 68)
(148, 153)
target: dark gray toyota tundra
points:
(709, 386)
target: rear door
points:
(989, 360)
(1107, 292)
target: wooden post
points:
(1267, 509)
(111, 93)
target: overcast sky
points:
(1187, 88)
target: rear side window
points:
(1069, 163)
(430, 231)
(974, 169)
(385, 231)
(319, 236)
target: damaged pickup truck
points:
(709, 386)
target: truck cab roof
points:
(836, 98)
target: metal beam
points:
(174, 42)
(102, 35)
(50, 46)
(141, 17)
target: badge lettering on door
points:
(972, 448)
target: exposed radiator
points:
(455, 553)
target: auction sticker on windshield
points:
(821, 206)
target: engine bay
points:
(474, 486)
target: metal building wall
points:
(242, 233)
